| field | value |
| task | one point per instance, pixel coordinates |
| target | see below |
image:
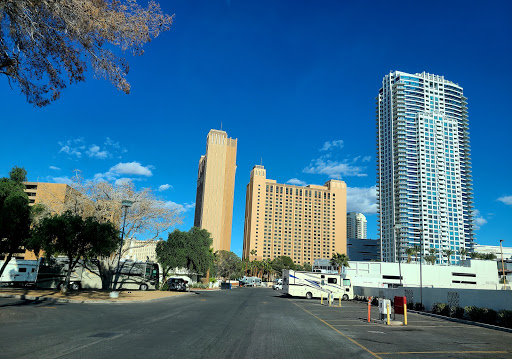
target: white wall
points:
(376, 274)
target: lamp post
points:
(124, 204)
(421, 260)
(503, 267)
(397, 231)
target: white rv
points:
(20, 272)
(315, 285)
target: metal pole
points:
(421, 260)
(397, 240)
(120, 249)
(503, 267)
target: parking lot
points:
(238, 323)
(423, 337)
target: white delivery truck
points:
(315, 285)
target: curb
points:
(455, 320)
(84, 301)
(462, 321)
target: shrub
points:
(441, 309)
(505, 318)
(164, 287)
(457, 312)
(199, 285)
(419, 306)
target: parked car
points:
(178, 284)
(278, 284)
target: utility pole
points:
(398, 242)
(503, 267)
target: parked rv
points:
(52, 274)
(20, 272)
(250, 282)
(315, 285)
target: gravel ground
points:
(88, 295)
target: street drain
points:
(103, 335)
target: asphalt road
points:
(241, 323)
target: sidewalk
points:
(87, 296)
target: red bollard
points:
(369, 308)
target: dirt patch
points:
(90, 295)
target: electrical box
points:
(400, 303)
(383, 306)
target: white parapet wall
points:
(492, 299)
(474, 274)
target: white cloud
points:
(296, 182)
(332, 144)
(54, 168)
(333, 168)
(72, 147)
(506, 199)
(124, 180)
(95, 152)
(126, 169)
(363, 200)
(367, 158)
(479, 221)
(181, 208)
(132, 168)
(164, 187)
(63, 179)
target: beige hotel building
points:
(303, 223)
(216, 188)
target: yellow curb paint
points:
(344, 335)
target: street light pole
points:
(421, 260)
(397, 231)
(124, 204)
(503, 267)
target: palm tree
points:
(410, 251)
(339, 260)
(432, 255)
(463, 253)
(448, 253)
(431, 258)
(417, 249)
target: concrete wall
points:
(494, 299)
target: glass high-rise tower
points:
(423, 167)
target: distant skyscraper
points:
(356, 225)
(216, 187)
(424, 167)
(303, 223)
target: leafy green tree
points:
(74, 237)
(172, 254)
(280, 263)
(15, 214)
(227, 265)
(46, 44)
(191, 250)
(340, 260)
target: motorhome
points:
(52, 274)
(315, 285)
(20, 272)
(250, 282)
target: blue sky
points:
(295, 82)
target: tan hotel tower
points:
(303, 223)
(216, 187)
